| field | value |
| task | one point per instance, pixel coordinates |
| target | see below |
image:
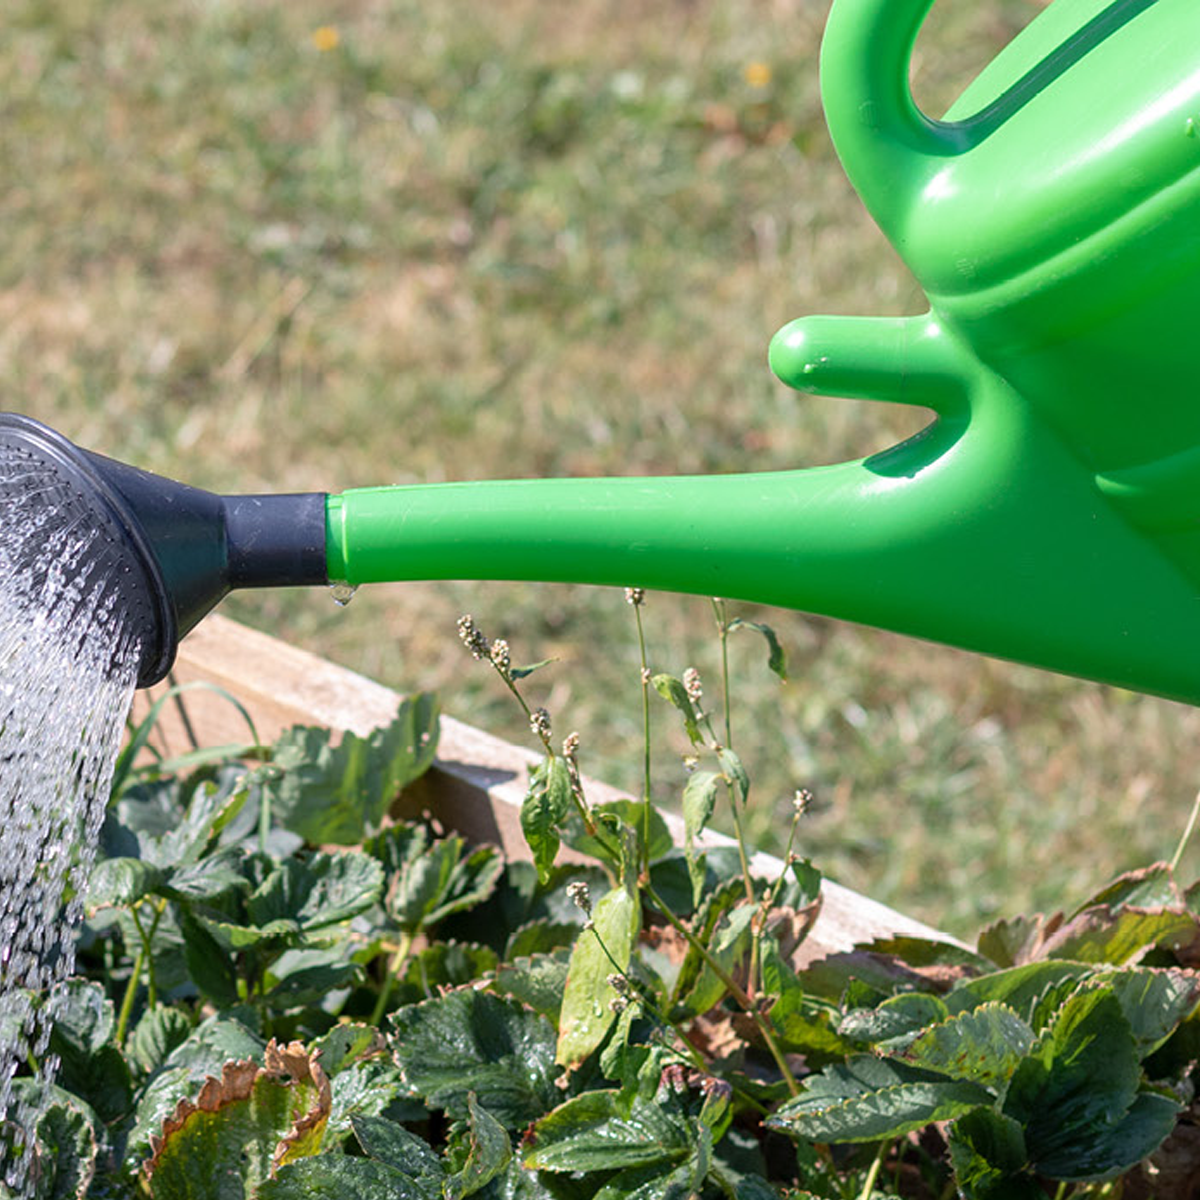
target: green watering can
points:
(1049, 515)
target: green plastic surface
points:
(1051, 513)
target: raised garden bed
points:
(478, 782)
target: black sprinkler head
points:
(172, 552)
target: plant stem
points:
(399, 959)
(735, 989)
(1187, 833)
(130, 991)
(873, 1174)
(645, 678)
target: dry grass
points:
(473, 240)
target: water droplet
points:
(342, 593)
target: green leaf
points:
(339, 794)
(91, 1066)
(362, 1089)
(776, 660)
(1155, 1002)
(699, 800)
(427, 882)
(802, 1024)
(519, 673)
(591, 1132)
(868, 1099)
(214, 875)
(64, 1151)
(731, 764)
(987, 1151)
(540, 937)
(316, 892)
(157, 1034)
(489, 1151)
(443, 965)
(984, 1046)
(120, 883)
(671, 689)
(238, 1133)
(1147, 887)
(728, 946)
(600, 951)
(392, 1144)
(472, 1041)
(1076, 1089)
(210, 964)
(895, 1022)
(336, 1177)
(1018, 987)
(1104, 1151)
(656, 1183)
(537, 981)
(1117, 936)
(545, 808)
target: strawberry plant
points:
(286, 993)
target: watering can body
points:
(1053, 219)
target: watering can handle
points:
(888, 146)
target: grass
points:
(319, 245)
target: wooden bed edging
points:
(478, 782)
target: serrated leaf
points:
(672, 690)
(90, 1065)
(471, 1041)
(987, 1151)
(336, 1177)
(242, 1126)
(545, 807)
(210, 964)
(362, 1089)
(1018, 987)
(64, 1152)
(1155, 1002)
(489, 1151)
(1117, 936)
(390, 1143)
(315, 892)
(1104, 1151)
(339, 793)
(1147, 887)
(120, 883)
(1080, 1080)
(605, 948)
(427, 882)
(984, 1046)
(160, 1031)
(537, 981)
(776, 659)
(895, 1022)
(593, 1132)
(868, 1099)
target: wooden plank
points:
(478, 782)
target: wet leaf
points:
(600, 951)
(242, 1126)
(868, 1099)
(471, 1041)
(339, 793)
(489, 1151)
(120, 883)
(160, 1031)
(592, 1132)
